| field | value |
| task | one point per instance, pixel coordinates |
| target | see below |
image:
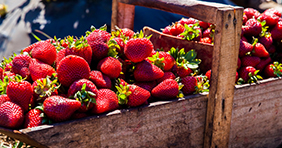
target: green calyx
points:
(85, 96)
(277, 68)
(46, 87)
(190, 32)
(141, 35)
(113, 46)
(76, 43)
(156, 60)
(202, 84)
(122, 93)
(92, 28)
(3, 85)
(185, 59)
(6, 61)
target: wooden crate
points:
(193, 121)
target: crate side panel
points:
(256, 117)
(174, 124)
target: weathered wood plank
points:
(176, 123)
(166, 42)
(256, 117)
(225, 56)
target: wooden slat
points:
(225, 56)
(161, 124)
(256, 118)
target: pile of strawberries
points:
(56, 80)
(260, 54)
(192, 30)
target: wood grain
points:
(175, 123)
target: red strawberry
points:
(271, 19)
(176, 29)
(251, 13)
(273, 70)
(260, 51)
(272, 49)
(80, 47)
(132, 95)
(167, 89)
(263, 62)
(208, 74)
(166, 30)
(245, 47)
(72, 68)
(274, 11)
(208, 33)
(99, 50)
(59, 108)
(11, 115)
(266, 41)
(44, 88)
(183, 71)
(245, 18)
(45, 52)
(145, 71)
(248, 74)
(167, 75)
(250, 61)
(4, 98)
(187, 21)
(106, 101)
(98, 35)
(276, 32)
(29, 48)
(190, 84)
(33, 118)
(127, 32)
(137, 49)
(84, 91)
(39, 69)
(239, 63)
(20, 65)
(203, 25)
(146, 85)
(162, 59)
(20, 92)
(252, 27)
(206, 40)
(100, 80)
(110, 66)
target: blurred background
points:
(61, 18)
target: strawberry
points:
(11, 115)
(100, 80)
(245, 18)
(245, 47)
(190, 83)
(145, 71)
(99, 50)
(127, 32)
(176, 29)
(29, 48)
(33, 118)
(248, 75)
(146, 85)
(276, 32)
(4, 98)
(45, 52)
(110, 66)
(272, 49)
(166, 30)
(139, 48)
(98, 35)
(270, 19)
(263, 62)
(84, 91)
(273, 70)
(106, 101)
(79, 47)
(20, 65)
(132, 95)
(58, 108)
(252, 27)
(121, 44)
(72, 68)
(266, 40)
(203, 25)
(260, 51)
(167, 75)
(20, 92)
(208, 74)
(43, 88)
(250, 61)
(251, 13)
(188, 21)
(274, 11)
(206, 40)
(163, 60)
(209, 32)
(239, 63)
(39, 69)
(167, 89)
